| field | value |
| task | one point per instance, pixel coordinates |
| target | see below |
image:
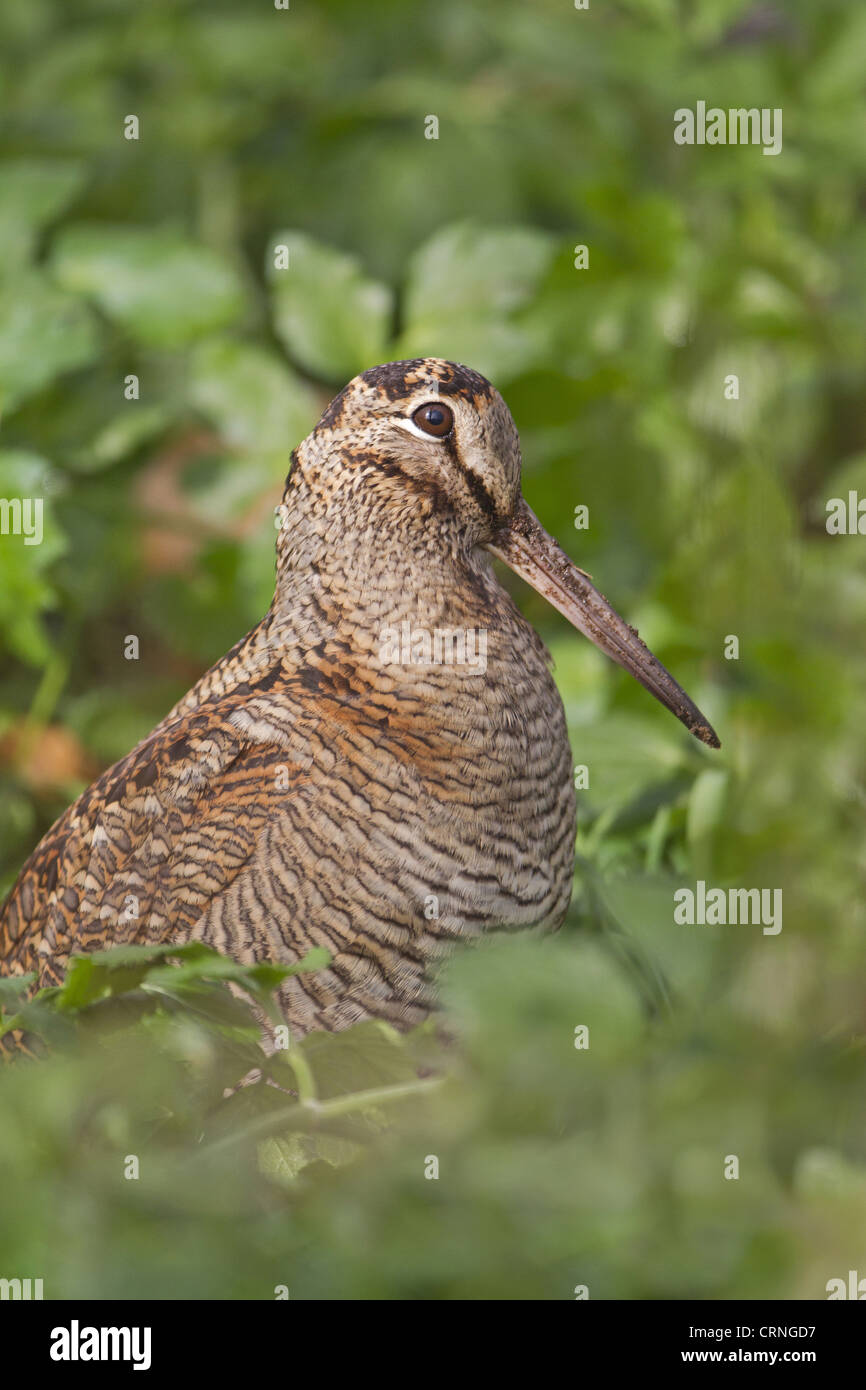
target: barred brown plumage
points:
(326, 784)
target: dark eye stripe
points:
(479, 491)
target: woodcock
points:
(381, 767)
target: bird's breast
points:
(452, 768)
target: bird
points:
(381, 766)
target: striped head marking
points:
(426, 428)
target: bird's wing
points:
(146, 848)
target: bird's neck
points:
(358, 575)
(350, 563)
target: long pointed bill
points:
(527, 549)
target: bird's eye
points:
(434, 419)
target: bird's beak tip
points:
(707, 734)
(527, 549)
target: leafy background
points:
(557, 1167)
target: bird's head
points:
(424, 439)
(432, 443)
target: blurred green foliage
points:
(154, 257)
(135, 1164)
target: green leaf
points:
(283, 1157)
(165, 290)
(366, 1057)
(122, 435)
(213, 966)
(197, 972)
(260, 980)
(26, 592)
(119, 956)
(99, 986)
(35, 1019)
(333, 319)
(103, 974)
(258, 404)
(465, 289)
(43, 332)
(85, 982)
(12, 987)
(707, 803)
(317, 958)
(34, 192)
